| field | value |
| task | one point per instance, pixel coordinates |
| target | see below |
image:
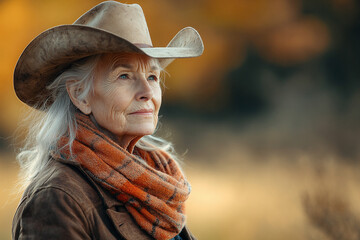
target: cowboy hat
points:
(108, 27)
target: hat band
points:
(142, 45)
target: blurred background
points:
(266, 120)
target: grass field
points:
(249, 200)
(266, 200)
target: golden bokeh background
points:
(268, 116)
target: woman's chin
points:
(141, 131)
(144, 133)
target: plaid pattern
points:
(153, 193)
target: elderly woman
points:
(92, 168)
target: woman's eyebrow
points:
(154, 68)
(129, 66)
(122, 65)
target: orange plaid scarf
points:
(153, 193)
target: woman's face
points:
(127, 94)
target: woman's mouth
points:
(143, 112)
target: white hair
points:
(47, 125)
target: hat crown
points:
(124, 20)
(110, 27)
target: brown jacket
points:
(68, 204)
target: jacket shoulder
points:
(50, 213)
(57, 203)
(66, 178)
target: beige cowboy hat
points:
(108, 27)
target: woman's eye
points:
(152, 78)
(124, 76)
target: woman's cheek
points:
(158, 98)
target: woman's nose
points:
(144, 90)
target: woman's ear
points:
(82, 104)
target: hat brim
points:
(54, 50)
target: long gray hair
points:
(47, 125)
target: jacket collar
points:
(109, 201)
(123, 223)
